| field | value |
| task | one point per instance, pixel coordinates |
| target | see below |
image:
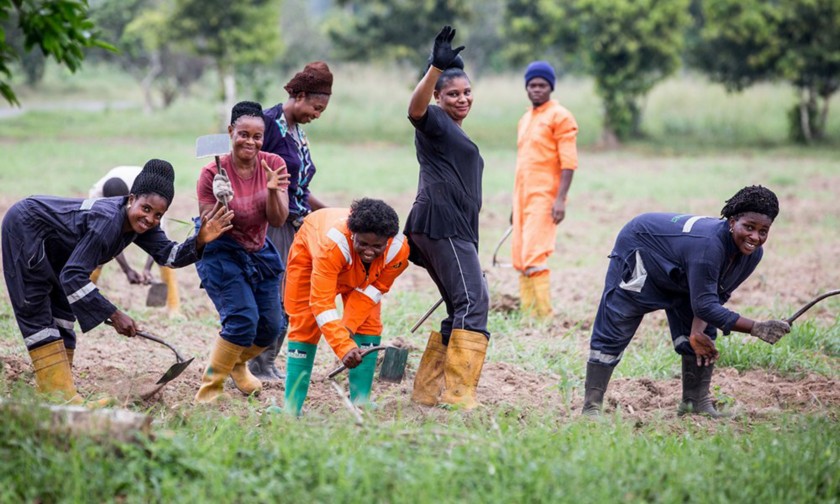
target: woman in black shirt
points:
(443, 229)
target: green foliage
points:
(631, 46)
(61, 29)
(743, 42)
(627, 46)
(401, 30)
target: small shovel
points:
(157, 294)
(176, 369)
(811, 303)
(214, 145)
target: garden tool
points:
(496, 262)
(157, 294)
(176, 369)
(810, 304)
(214, 145)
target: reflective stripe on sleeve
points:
(690, 222)
(326, 317)
(394, 249)
(341, 240)
(372, 292)
(172, 254)
(79, 294)
(40, 336)
(88, 203)
(679, 340)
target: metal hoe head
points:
(174, 371)
(212, 145)
(157, 294)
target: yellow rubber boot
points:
(94, 277)
(246, 382)
(223, 357)
(462, 369)
(52, 373)
(173, 301)
(542, 296)
(70, 353)
(428, 382)
(527, 302)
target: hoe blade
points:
(174, 371)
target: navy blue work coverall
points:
(683, 264)
(51, 246)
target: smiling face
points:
(369, 246)
(749, 231)
(309, 106)
(455, 98)
(539, 91)
(144, 212)
(247, 137)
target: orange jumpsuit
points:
(546, 145)
(322, 264)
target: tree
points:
(746, 41)
(392, 30)
(232, 34)
(61, 29)
(628, 46)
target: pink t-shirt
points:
(250, 221)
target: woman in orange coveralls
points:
(358, 253)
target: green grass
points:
(498, 458)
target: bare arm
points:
(558, 211)
(315, 203)
(422, 94)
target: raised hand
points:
(214, 224)
(442, 52)
(276, 179)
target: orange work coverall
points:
(546, 145)
(323, 264)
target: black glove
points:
(770, 331)
(442, 52)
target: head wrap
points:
(245, 108)
(540, 69)
(315, 78)
(756, 199)
(157, 177)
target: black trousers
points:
(454, 267)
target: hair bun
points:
(161, 168)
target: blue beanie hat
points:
(540, 69)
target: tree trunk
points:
(805, 116)
(155, 68)
(823, 118)
(228, 82)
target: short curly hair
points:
(368, 215)
(245, 108)
(756, 199)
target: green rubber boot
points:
(299, 362)
(361, 376)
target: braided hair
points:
(157, 177)
(245, 108)
(756, 199)
(369, 215)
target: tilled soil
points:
(795, 268)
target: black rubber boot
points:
(597, 379)
(263, 367)
(696, 381)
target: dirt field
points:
(107, 363)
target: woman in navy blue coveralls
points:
(443, 229)
(688, 266)
(51, 246)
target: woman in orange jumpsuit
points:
(357, 253)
